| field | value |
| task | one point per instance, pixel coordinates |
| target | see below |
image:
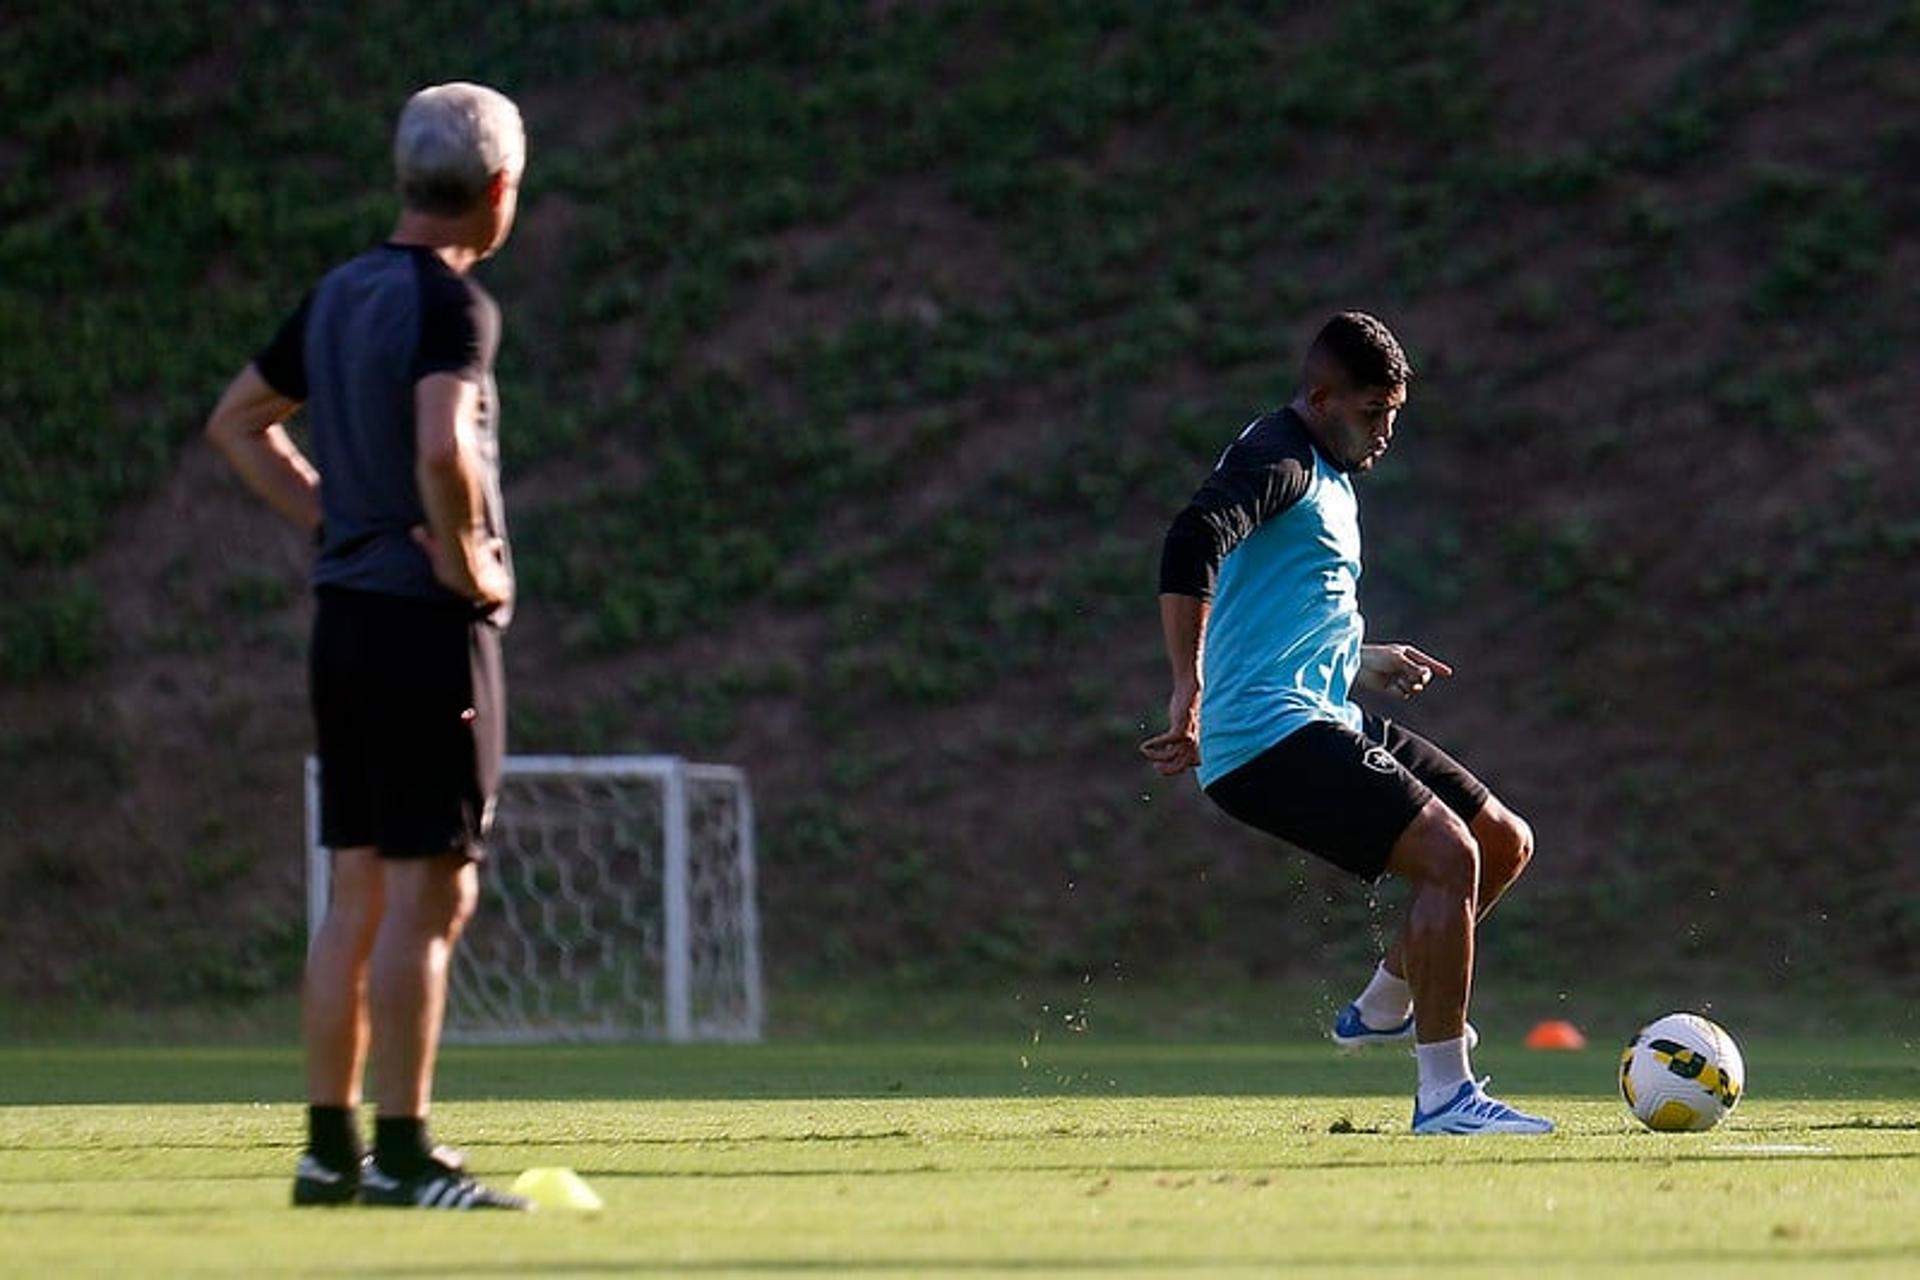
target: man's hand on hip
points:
(473, 567)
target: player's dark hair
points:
(1364, 349)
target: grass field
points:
(1069, 1157)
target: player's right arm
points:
(1183, 623)
(246, 426)
(467, 560)
(1256, 479)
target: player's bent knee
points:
(1522, 836)
(1438, 851)
(1506, 841)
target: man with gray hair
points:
(391, 355)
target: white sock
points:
(1386, 1002)
(1443, 1069)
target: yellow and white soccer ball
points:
(1682, 1072)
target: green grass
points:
(1062, 1155)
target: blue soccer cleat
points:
(1470, 1111)
(1350, 1031)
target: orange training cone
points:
(1555, 1033)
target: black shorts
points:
(410, 710)
(1345, 796)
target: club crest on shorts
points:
(1380, 760)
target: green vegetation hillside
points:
(856, 356)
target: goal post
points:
(617, 901)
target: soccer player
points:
(392, 356)
(1260, 573)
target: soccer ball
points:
(1681, 1072)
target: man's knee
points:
(1520, 833)
(434, 895)
(467, 897)
(1505, 839)
(1437, 851)
(355, 891)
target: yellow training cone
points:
(557, 1189)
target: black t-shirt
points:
(352, 352)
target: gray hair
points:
(451, 140)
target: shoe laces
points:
(1481, 1105)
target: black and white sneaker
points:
(439, 1186)
(456, 1159)
(315, 1183)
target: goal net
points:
(616, 902)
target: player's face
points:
(1357, 424)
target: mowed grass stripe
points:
(1197, 1190)
(1220, 1219)
(1779, 1068)
(931, 1136)
(929, 1178)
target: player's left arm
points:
(247, 427)
(1398, 669)
(466, 556)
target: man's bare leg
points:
(1441, 859)
(1437, 855)
(334, 995)
(428, 901)
(1506, 847)
(333, 1016)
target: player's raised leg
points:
(334, 1025)
(1439, 857)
